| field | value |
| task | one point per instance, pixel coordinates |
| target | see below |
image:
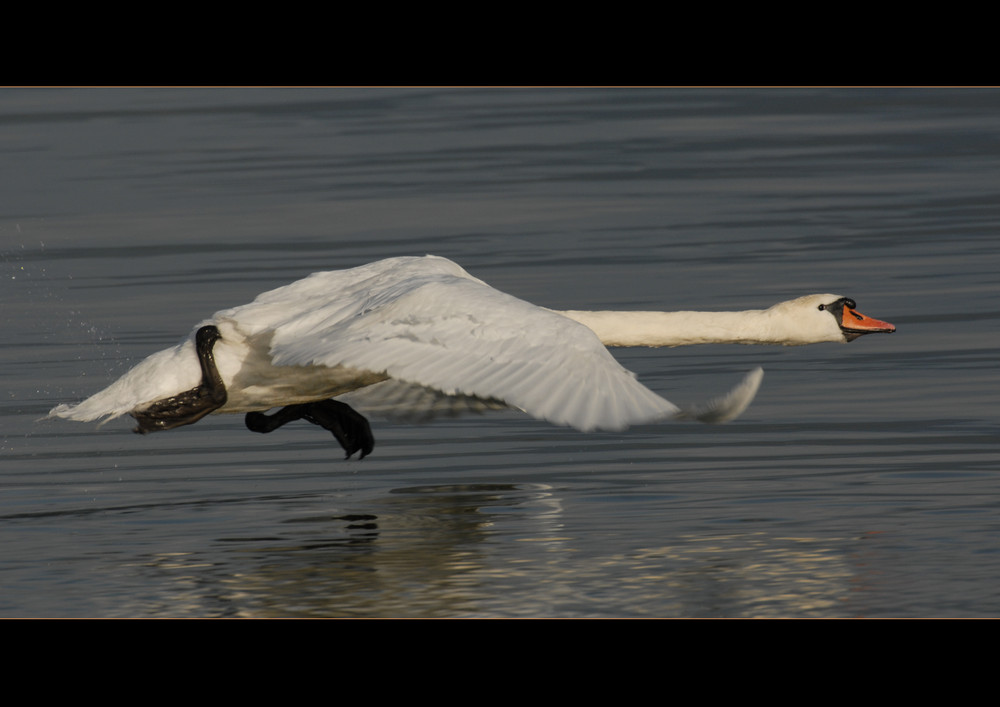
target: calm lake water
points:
(863, 482)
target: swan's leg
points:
(349, 427)
(259, 422)
(190, 406)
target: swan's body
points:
(412, 330)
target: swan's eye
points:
(822, 307)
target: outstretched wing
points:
(425, 321)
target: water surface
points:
(862, 482)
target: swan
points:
(419, 334)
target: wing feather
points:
(426, 322)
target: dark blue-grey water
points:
(864, 480)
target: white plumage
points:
(410, 332)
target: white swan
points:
(409, 331)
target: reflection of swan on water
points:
(423, 324)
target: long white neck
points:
(756, 326)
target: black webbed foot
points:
(350, 428)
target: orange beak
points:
(856, 323)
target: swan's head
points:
(830, 318)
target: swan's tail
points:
(729, 406)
